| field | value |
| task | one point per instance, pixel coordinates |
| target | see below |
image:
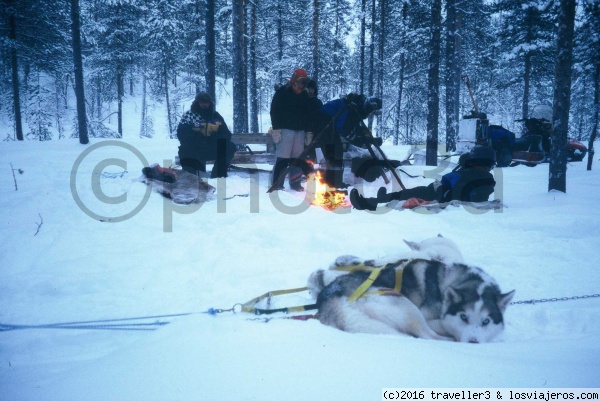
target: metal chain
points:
(237, 308)
(534, 301)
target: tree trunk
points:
(382, 38)
(120, 94)
(210, 51)
(372, 56)
(172, 133)
(338, 76)
(526, 85)
(596, 57)
(279, 39)
(562, 95)
(363, 28)
(58, 106)
(401, 74)
(145, 129)
(98, 96)
(253, 86)
(315, 38)
(527, 65)
(15, 69)
(433, 83)
(78, 64)
(452, 75)
(244, 67)
(594, 132)
(238, 66)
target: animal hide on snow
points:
(180, 186)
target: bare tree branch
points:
(39, 225)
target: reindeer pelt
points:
(186, 189)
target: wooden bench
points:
(254, 157)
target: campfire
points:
(323, 195)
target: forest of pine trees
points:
(411, 53)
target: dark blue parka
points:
(203, 135)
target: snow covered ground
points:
(77, 268)
(59, 264)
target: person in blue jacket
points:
(471, 182)
(203, 135)
(343, 117)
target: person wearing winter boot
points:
(290, 110)
(344, 117)
(203, 135)
(470, 182)
(297, 173)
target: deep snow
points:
(77, 268)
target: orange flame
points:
(324, 196)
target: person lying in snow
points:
(471, 182)
(203, 136)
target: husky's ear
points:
(452, 296)
(412, 245)
(505, 300)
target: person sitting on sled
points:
(203, 135)
(470, 182)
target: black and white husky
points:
(439, 297)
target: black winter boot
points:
(278, 169)
(306, 167)
(361, 203)
(383, 196)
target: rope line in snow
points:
(104, 324)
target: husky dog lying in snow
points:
(439, 298)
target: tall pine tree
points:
(562, 96)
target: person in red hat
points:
(290, 111)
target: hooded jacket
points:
(200, 129)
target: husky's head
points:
(437, 248)
(475, 315)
